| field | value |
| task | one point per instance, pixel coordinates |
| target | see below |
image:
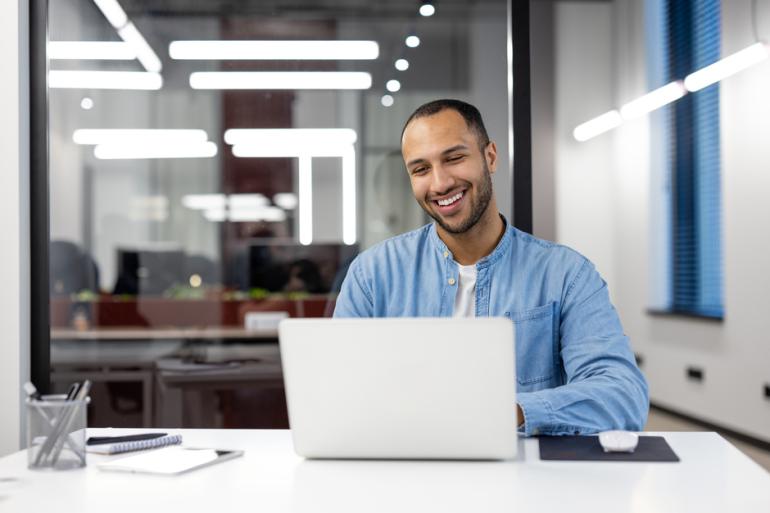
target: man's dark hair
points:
(470, 114)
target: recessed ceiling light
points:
(402, 64)
(386, 100)
(412, 41)
(393, 86)
(427, 9)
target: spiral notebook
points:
(138, 445)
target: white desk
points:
(713, 476)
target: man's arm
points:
(604, 387)
(355, 297)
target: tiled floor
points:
(660, 421)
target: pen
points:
(52, 446)
(73, 390)
(101, 440)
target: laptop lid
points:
(400, 388)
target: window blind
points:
(693, 34)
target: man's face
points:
(450, 174)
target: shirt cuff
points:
(537, 413)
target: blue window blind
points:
(692, 41)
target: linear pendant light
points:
(276, 80)
(598, 125)
(273, 50)
(90, 50)
(704, 77)
(726, 67)
(76, 79)
(653, 100)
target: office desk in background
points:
(713, 476)
(135, 355)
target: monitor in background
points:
(146, 272)
(292, 267)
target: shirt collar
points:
(502, 246)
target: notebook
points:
(170, 461)
(138, 445)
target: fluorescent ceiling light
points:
(349, 196)
(296, 80)
(653, 100)
(113, 12)
(286, 200)
(288, 149)
(269, 214)
(386, 100)
(273, 50)
(412, 41)
(393, 86)
(204, 201)
(248, 201)
(296, 136)
(723, 68)
(144, 52)
(134, 136)
(598, 125)
(402, 64)
(305, 189)
(90, 50)
(142, 80)
(155, 151)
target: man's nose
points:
(443, 181)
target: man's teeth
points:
(451, 200)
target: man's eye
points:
(419, 170)
(455, 158)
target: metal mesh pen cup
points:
(56, 434)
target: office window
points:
(686, 162)
(211, 171)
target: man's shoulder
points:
(404, 245)
(531, 247)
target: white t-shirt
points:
(465, 300)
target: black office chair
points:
(71, 269)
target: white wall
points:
(14, 211)
(584, 173)
(735, 353)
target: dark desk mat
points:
(587, 448)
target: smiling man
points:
(575, 369)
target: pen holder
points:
(56, 434)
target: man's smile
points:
(450, 204)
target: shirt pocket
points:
(536, 355)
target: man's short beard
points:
(477, 208)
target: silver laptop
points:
(400, 388)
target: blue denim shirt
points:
(575, 369)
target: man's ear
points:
(490, 154)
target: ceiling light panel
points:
(90, 50)
(125, 80)
(280, 80)
(274, 50)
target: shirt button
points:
(451, 281)
(446, 254)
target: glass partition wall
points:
(215, 166)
